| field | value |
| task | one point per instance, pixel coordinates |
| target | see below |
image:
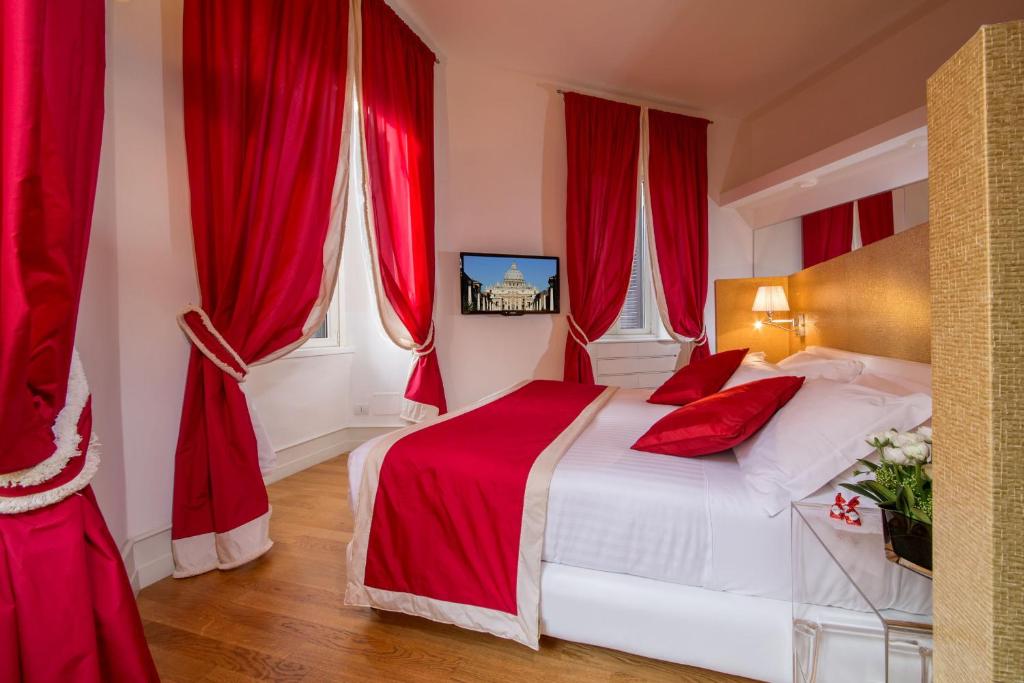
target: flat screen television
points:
(508, 284)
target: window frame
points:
(652, 328)
(334, 341)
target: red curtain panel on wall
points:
(827, 233)
(264, 91)
(603, 147)
(876, 217)
(396, 90)
(677, 187)
(67, 612)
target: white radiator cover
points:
(643, 364)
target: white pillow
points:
(812, 366)
(817, 435)
(892, 384)
(752, 369)
(803, 364)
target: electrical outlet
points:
(361, 409)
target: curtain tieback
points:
(577, 332)
(196, 325)
(702, 338)
(72, 464)
(427, 347)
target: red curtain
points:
(876, 218)
(264, 97)
(397, 97)
(603, 146)
(827, 233)
(677, 183)
(67, 612)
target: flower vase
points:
(907, 541)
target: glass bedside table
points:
(857, 617)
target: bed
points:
(667, 557)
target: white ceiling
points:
(727, 57)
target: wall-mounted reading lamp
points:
(772, 299)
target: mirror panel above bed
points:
(874, 300)
(849, 223)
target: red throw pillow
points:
(699, 379)
(721, 421)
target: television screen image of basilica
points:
(526, 285)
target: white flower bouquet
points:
(902, 487)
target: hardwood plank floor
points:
(282, 618)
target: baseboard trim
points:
(315, 451)
(147, 558)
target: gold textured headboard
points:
(874, 300)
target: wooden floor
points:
(282, 618)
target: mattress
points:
(683, 520)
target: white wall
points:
(97, 340)
(730, 254)
(302, 398)
(155, 269)
(501, 188)
(778, 249)
(910, 206)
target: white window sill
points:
(311, 351)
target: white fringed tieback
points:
(67, 441)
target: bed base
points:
(737, 634)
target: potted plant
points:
(902, 487)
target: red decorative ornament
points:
(838, 510)
(845, 511)
(852, 516)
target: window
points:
(327, 337)
(639, 316)
(327, 333)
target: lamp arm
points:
(798, 325)
(775, 323)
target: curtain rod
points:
(645, 104)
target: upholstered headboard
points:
(874, 300)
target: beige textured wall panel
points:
(976, 183)
(734, 321)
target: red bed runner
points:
(459, 507)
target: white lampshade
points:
(770, 299)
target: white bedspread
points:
(684, 520)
